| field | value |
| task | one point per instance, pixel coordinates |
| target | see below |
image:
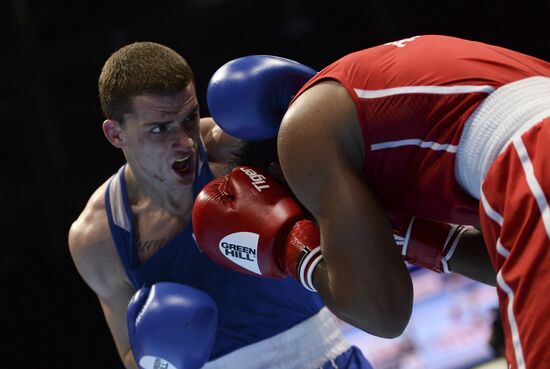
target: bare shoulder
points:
(91, 225)
(92, 247)
(324, 112)
(219, 145)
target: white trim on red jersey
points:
(415, 142)
(438, 90)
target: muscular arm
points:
(219, 145)
(362, 279)
(95, 257)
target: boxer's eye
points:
(159, 128)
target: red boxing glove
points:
(248, 222)
(429, 244)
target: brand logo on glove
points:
(242, 249)
(153, 362)
(258, 180)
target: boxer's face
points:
(161, 137)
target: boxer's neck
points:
(145, 196)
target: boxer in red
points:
(430, 132)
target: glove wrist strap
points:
(450, 245)
(307, 264)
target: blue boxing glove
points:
(248, 96)
(171, 326)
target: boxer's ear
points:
(114, 133)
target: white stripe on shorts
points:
(534, 185)
(516, 343)
(491, 213)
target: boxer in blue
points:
(136, 232)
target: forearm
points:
(471, 259)
(129, 361)
(115, 310)
(366, 297)
(343, 302)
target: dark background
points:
(54, 154)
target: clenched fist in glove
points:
(429, 244)
(171, 326)
(248, 222)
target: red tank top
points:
(413, 97)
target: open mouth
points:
(182, 165)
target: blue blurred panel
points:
(449, 328)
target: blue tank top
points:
(250, 308)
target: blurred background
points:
(54, 154)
